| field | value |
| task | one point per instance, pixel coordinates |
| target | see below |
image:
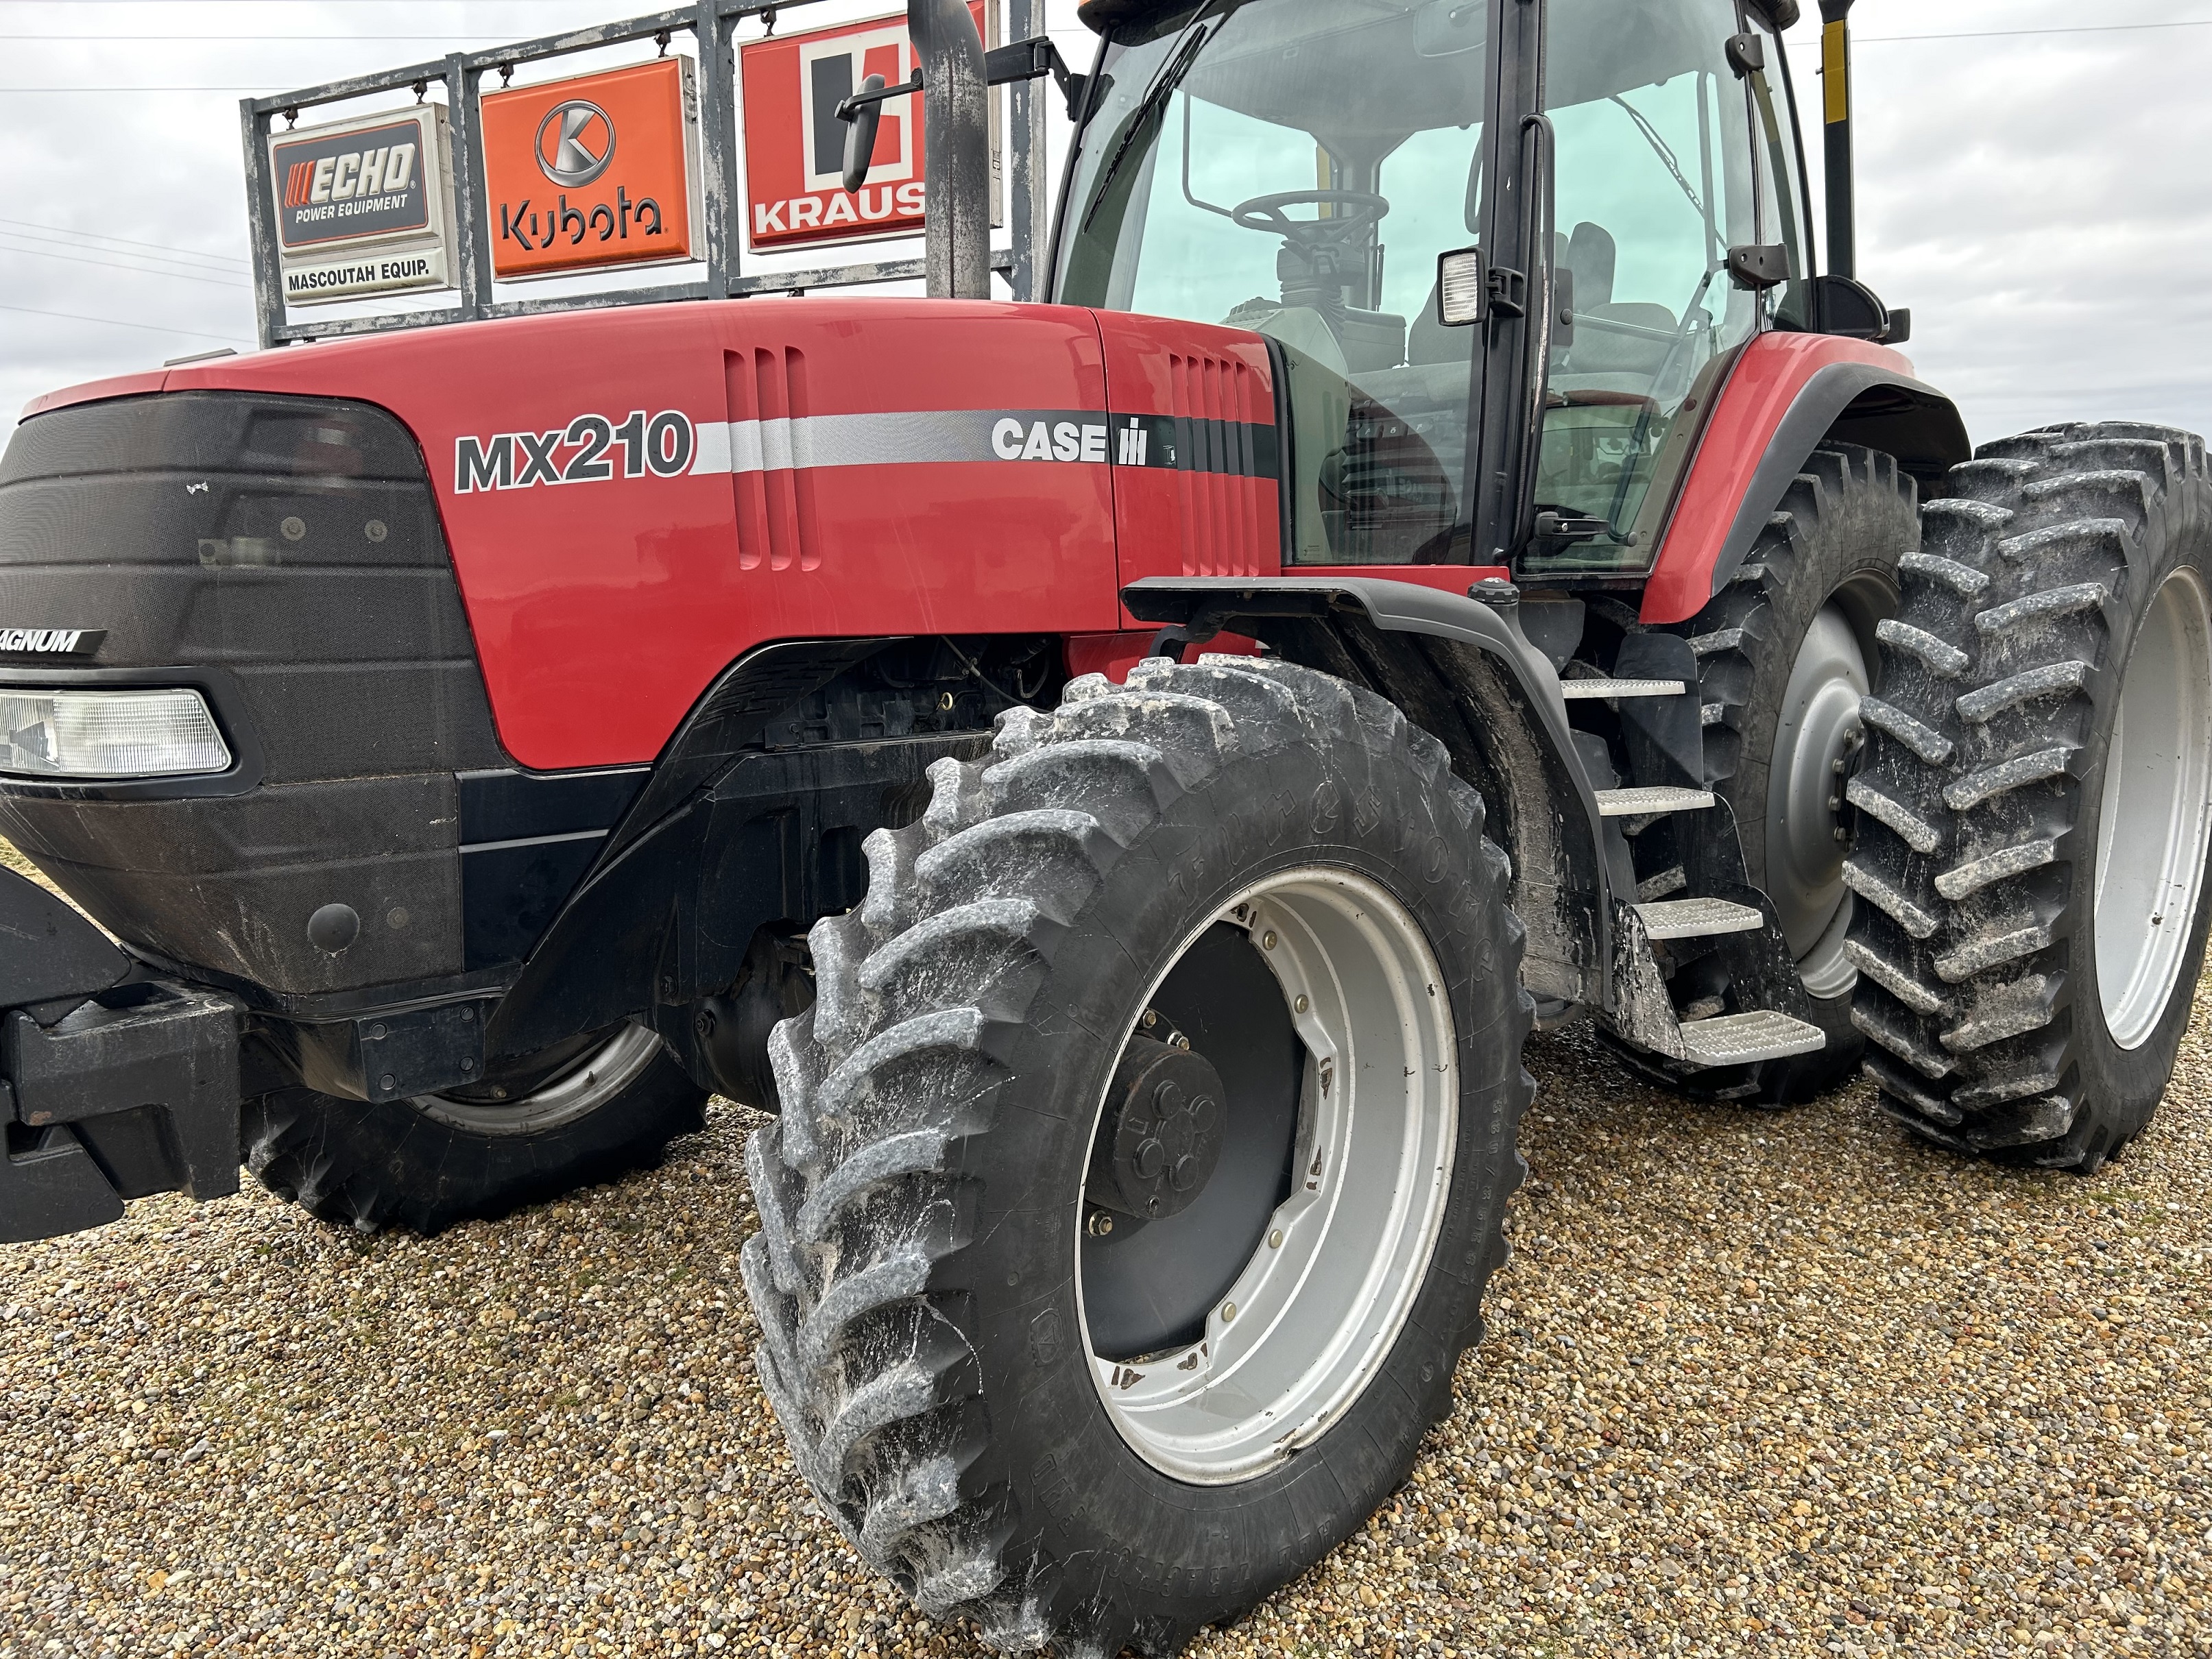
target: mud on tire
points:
(2066, 562)
(916, 1274)
(1828, 555)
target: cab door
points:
(1648, 116)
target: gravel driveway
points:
(1754, 1384)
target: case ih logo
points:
(594, 171)
(345, 185)
(796, 145)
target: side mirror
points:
(1847, 308)
(862, 120)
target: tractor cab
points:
(1301, 167)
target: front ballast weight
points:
(1221, 960)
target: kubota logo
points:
(575, 143)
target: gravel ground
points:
(1754, 1384)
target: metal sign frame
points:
(713, 24)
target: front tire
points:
(2036, 808)
(1240, 868)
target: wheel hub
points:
(1162, 1137)
(1228, 1333)
(1815, 742)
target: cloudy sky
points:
(2033, 188)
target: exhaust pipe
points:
(956, 151)
(1835, 123)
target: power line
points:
(143, 270)
(118, 322)
(1810, 41)
(64, 234)
(133, 40)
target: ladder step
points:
(1584, 689)
(1635, 803)
(1698, 918)
(1739, 1039)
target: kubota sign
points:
(595, 171)
(796, 145)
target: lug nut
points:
(1098, 1223)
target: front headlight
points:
(94, 734)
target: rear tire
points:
(1784, 651)
(426, 1163)
(928, 1277)
(2033, 865)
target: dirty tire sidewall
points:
(1979, 984)
(1080, 1540)
(388, 1163)
(1842, 526)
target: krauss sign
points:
(794, 145)
(361, 205)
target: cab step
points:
(1698, 918)
(1740, 1039)
(1585, 690)
(1649, 800)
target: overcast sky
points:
(2034, 190)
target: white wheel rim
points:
(1311, 1319)
(2156, 812)
(583, 1089)
(1819, 722)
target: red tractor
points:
(1118, 775)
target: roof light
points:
(101, 733)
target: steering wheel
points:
(1356, 209)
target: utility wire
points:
(143, 270)
(67, 237)
(1809, 41)
(118, 322)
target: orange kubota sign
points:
(796, 145)
(594, 171)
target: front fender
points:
(1465, 673)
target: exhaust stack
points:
(1836, 125)
(956, 151)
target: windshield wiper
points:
(1162, 86)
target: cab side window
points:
(1655, 181)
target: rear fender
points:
(1786, 394)
(1465, 673)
